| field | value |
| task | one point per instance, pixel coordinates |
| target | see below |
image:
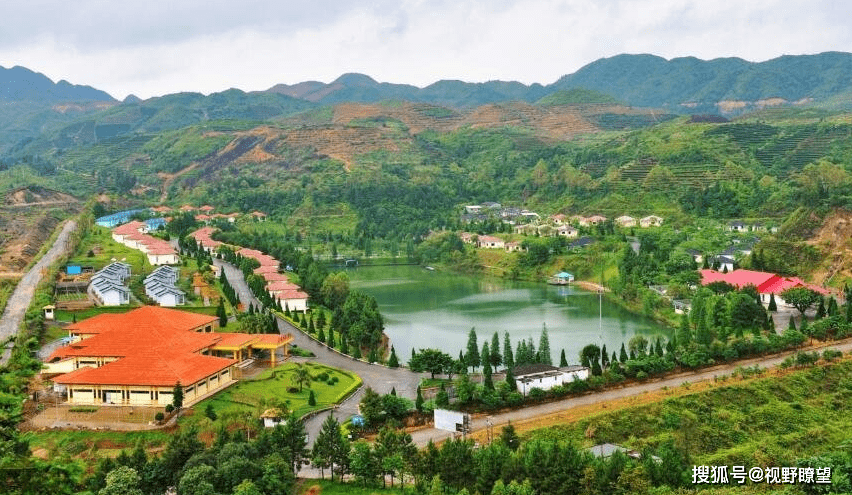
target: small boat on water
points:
(561, 278)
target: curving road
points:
(422, 437)
(25, 290)
(378, 377)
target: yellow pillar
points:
(274, 351)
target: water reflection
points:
(436, 309)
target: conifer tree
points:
(472, 356)
(773, 306)
(792, 325)
(544, 356)
(562, 361)
(393, 361)
(220, 312)
(832, 306)
(684, 333)
(604, 357)
(703, 335)
(496, 358)
(820, 312)
(508, 357)
(622, 355)
(418, 403)
(658, 348)
(614, 360)
(486, 367)
(321, 335)
(344, 344)
(510, 378)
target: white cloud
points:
(158, 47)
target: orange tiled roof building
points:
(139, 357)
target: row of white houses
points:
(134, 235)
(107, 285)
(161, 286)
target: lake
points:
(437, 309)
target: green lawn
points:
(336, 488)
(270, 388)
(99, 241)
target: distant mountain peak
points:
(22, 84)
(355, 79)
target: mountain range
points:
(681, 85)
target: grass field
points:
(326, 487)
(771, 420)
(269, 389)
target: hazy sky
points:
(155, 47)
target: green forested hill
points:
(401, 181)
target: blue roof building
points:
(118, 218)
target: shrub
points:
(292, 390)
(159, 416)
(322, 377)
(169, 408)
(831, 354)
(536, 394)
(641, 376)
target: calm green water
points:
(436, 309)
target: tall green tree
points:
(292, 441)
(177, 396)
(496, 357)
(121, 481)
(221, 314)
(508, 357)
(684, 332)
(544, 356)
(801, 298)
(301, 377)
(393, 361)
(486, 368)
(472, 356)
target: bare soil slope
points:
(834, 241)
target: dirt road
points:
(20, 299)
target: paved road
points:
(23, 295)
(422, 437)
(377, 377)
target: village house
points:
(595, 220)
(738, 226)
(545, 377)
(651, 221)
(567, 231)
(490, 242)
(202, 236)
(514, 246)
(766, 283)
(107, 285)
(108, 293)
(139, 357)
(158, 251)
(625, 221)
(558, 219)
(294, 299)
